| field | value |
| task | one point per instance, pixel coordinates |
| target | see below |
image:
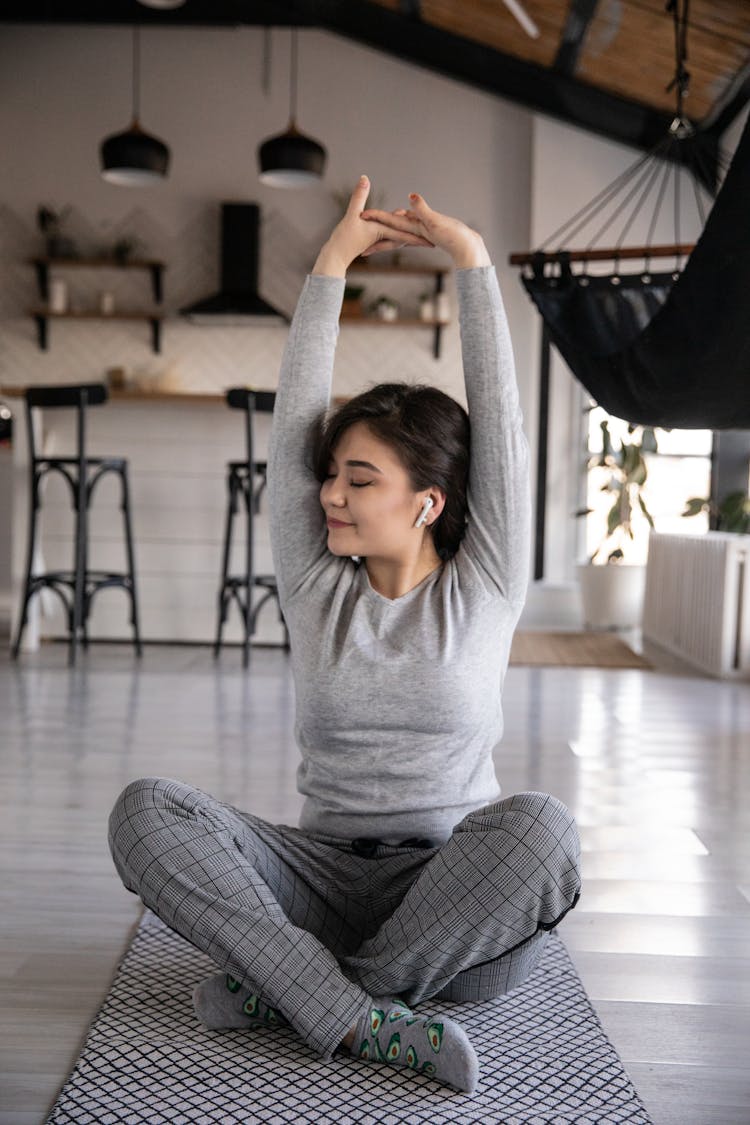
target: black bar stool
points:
(75, 587)
(245, 479)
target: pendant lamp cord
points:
(293, 79)
(136, 71)
(681, 80)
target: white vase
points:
(612, 595)
(427, 308)
(58, 295)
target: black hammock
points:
(671, 350)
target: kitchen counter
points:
(177, 457)
(138, 395)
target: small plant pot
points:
(352, 306)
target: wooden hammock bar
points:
(680, 250)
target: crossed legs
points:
(318, 931)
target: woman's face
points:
(370, 505)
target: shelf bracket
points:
(156, 334)
(156, 270)
(41, 331)
(42, 280)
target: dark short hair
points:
(428, 430)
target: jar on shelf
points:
(442, 306)
(58, 295)
(385, 308)
(427, 307)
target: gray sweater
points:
(399, 701)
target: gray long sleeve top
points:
(399, 701)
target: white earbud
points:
(423, 514)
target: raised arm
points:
(498, 532)
(298, 534)
(295, 515)
(497, 538)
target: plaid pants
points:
(317, 928)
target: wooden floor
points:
(655, 765)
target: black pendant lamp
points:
(291, 159)
(133, 158)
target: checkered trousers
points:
(317, 928)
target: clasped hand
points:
(364, 232)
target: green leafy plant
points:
(627, 475)
(50, 223)
(732, 514)
(125, 248)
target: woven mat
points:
(545, 1059)
(597, 650)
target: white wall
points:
(62, 90)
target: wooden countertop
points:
(11, 391)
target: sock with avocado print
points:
(221, 1002)
(389, 1032)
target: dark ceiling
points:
(604, 65)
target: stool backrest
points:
(75, 395)
(244, 398)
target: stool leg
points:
(78, 607)
(87, 593)
(31, 544)
(131, 560)
(223, 596)
(248, 616)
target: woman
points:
(408, 879)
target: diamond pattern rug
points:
(544, 1057)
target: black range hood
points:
(238, 301)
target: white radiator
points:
(697, 602)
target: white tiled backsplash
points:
(194, 358)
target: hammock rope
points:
(664, 349)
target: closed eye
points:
(359, 483)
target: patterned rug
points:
(545, 1059)
(594, 650)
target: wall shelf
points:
(363, 267)
(44, 264)
(42, 316)
(399, 322)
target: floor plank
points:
(656, 766)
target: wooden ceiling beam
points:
(535, 87)
(580, 15)
(412, 9)
(538, 88)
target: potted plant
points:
(611, 589)
(427, 306)
(50, 224)
(385, 308)
(352, 304)
(124, 249)
(732, 514)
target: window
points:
(681, 469)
